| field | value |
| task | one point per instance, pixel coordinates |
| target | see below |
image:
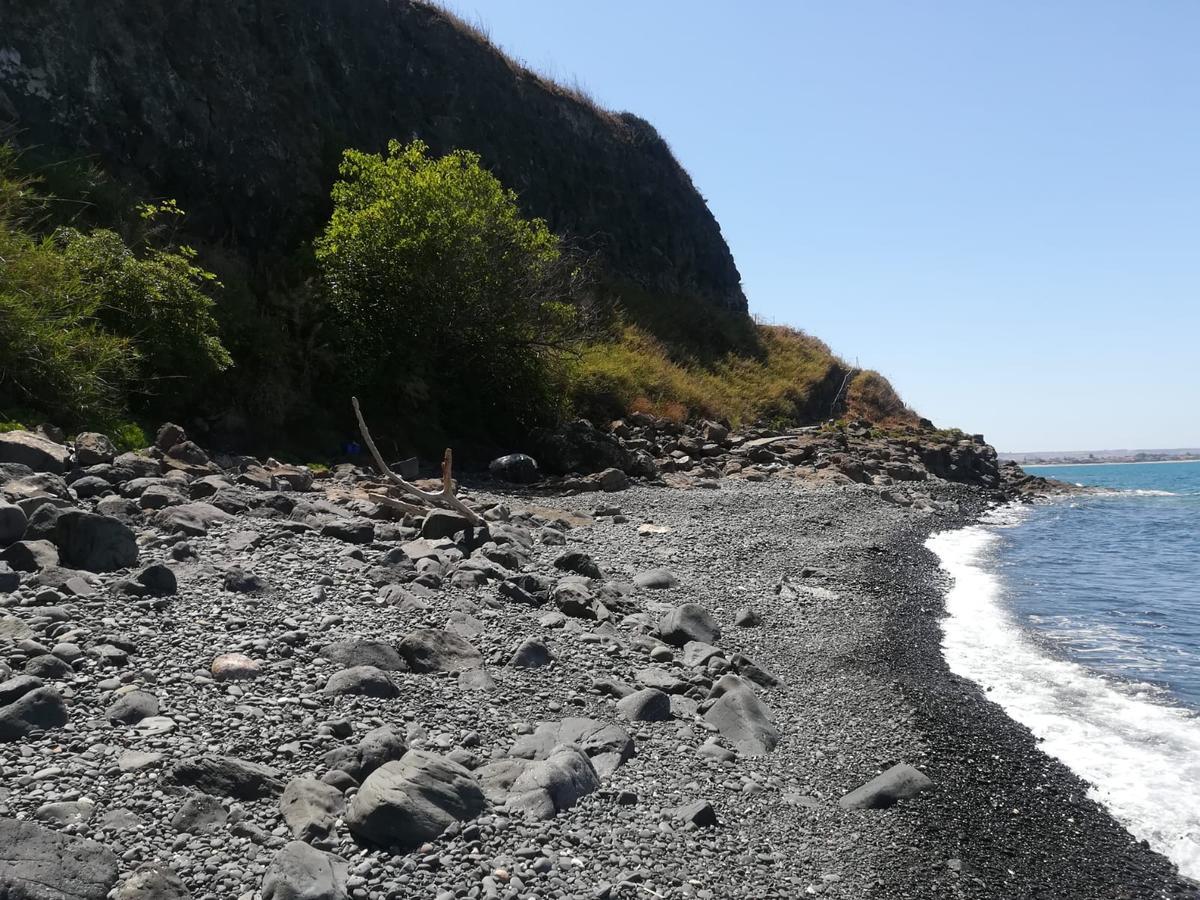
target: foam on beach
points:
(1141, 756)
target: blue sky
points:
(996, 204)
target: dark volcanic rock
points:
(158, 580)
(699, 813)
(443, 523)
(40, 709)
(900, 782)
(363, 652)
(39, 864)
(302, 872)
(741, 718)
(531, 654)
(226, 776)
(646, 705)
(378, 746)
(193, 519)
(689, 622)
(311, 809)
(200, 814)
(550, 786)
(432, 650)
(365, 680)
(12, 523)
(578, 562)
(93, 448)
(89, 541)
(132, 707)
(33, 450)
(411, 801)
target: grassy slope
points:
(791, 378)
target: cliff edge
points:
(240, 111)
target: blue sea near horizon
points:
(1081, 618)
(1114, 579)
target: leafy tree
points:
(449, 301)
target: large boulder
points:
(12, 523)
(93, 449)
(366, 681)
(131, 707)
(689, 622)
(443, 523)
(311, 809)
(379, 745)
(38, 709)
(227, 776)
(85, 540)
(411, 801)
(578, 562)
(434, 650)
(301, 872)
(552, 785)
(35, 451)
(647, 705)
(900, 782)
(364, 652)
(192, 519)
(581, 447)
(608, 746)
(37, 863)
(741, 718)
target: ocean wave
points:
(1130, 492)
(1141, 757)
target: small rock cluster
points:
(896, 462)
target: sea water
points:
(1081, 618)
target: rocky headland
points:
(661, 661)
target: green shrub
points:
(88, 326)
(54, 355)
(158, 301)
(449, 303)
(127, 436)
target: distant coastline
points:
(1110, 462)
(1101, 457)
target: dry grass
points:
(636, 373)
(871, 397)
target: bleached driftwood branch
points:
(445, 497)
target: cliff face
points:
(240, 110)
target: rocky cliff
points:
(240, 110)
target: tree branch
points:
(444, 498)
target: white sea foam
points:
(1125, 492)
(1141, 757)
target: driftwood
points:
(445, 497)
